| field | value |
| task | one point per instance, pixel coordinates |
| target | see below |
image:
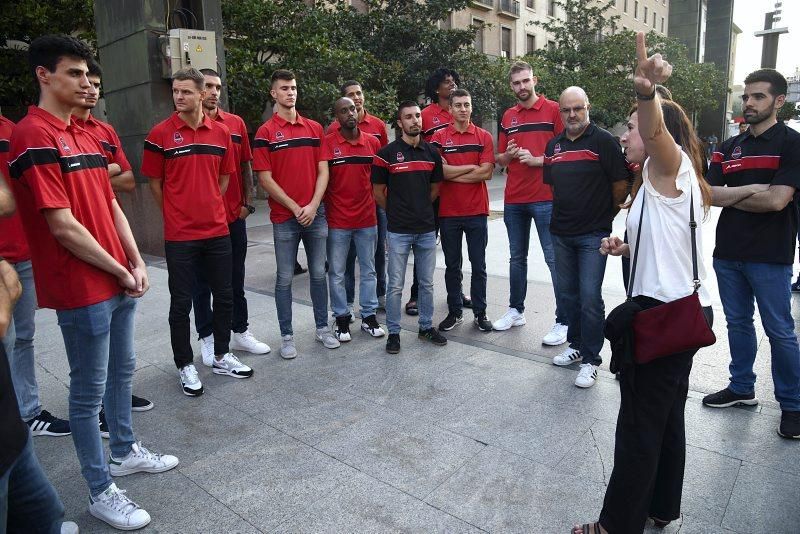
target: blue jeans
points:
(28, 501)
(452, 230)
(518, 219)
(99, 344)
(580, 269)
(339, 243)
(768, 284)
(19, 346)
(424, 247)
(287, 236)
(380, 261)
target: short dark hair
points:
(433, 81)
(46, 51)
(460, 92)
(210, 72)
(94, 68)
(776, 81)
(281, 74)
(348, 83)
(519, 66)
(405, 104)
(190, 73)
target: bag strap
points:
(636, 249)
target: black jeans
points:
(203, 318)
(650, 448)
(476, 230)
(185, 259)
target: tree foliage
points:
(788, 111)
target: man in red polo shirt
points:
(437, 115)
(468, 154)
(237, 207)
(87, 267)
(287, 155)
(524, 132)
(189, 158)
(352, 222)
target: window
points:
(662, 24)
(645, 15)
(636, 9)
(530, 43)
(551, 45)
(551, 8)
(654, 20)
(505, 42)
(480, 25)
(530, 4)
(625, 6)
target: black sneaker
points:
(450, 321)
(299, 269)
(482, 323)
(139, 404)
(726, 398)
(466, 301)
(433, 335)
(103, 425)
(342, 331)
(371, 326)
(46, 424)
(796, 286)
(393, 344)
(790, 425)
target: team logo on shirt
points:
(64, 145)
(400, 158)
(513, 121)
(337, 152)
(177, 137)
(449, 142)
(278, 135)
(436, 120)
(557, 148)
(737, 152)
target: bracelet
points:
(640, 96)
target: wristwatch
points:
(250, 208)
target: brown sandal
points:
(595, 528)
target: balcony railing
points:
(508, 7)
(483, 4)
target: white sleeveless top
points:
(664, 266)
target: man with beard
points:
(405, 181)
(585, 167)
(754, 251)
(524, 132)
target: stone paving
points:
(481, 435)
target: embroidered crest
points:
(177, 137)
(737, 152)
(64, 145)
(400, 158)
(557, 148)
(337, 151)
(449, 142)
(513, 121)
(436, 120)
(279, 135)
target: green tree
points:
(788, 111)
(25, 21)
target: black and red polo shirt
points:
(471, 147)
(408, 172)
(369, 124)
(234, 195)
(348, 200)
(770, 158)
(581, 173)
(434, 118)
(13, 245)
(291, 152)
(532, 129)
(190, 163)
(54, 165)
(108, 137)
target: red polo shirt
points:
(291, 152)
(370, 124)
(532, 129)
(434, 118)
(13, 245)
(190, 163)
(234, 195)
(108, 137)
(59, 166)
(348, 200)
(472, 147)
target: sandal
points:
(587, 528)
(412, 308)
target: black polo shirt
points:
(581, 173)
(770, 158)
(408, 173)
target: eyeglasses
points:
(575, 110)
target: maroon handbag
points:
(672, 327)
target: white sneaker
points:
(567, 357)
(587, 376)
(207, 350)
(288, 350)
(231, 366)
(511, 318)
(556, 336)
(116, 509)
(326, 337)
(69, 527)
(141, 460)
(247, 342)
(190, 382)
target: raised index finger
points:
(641, 47)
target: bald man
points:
(585, 167)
